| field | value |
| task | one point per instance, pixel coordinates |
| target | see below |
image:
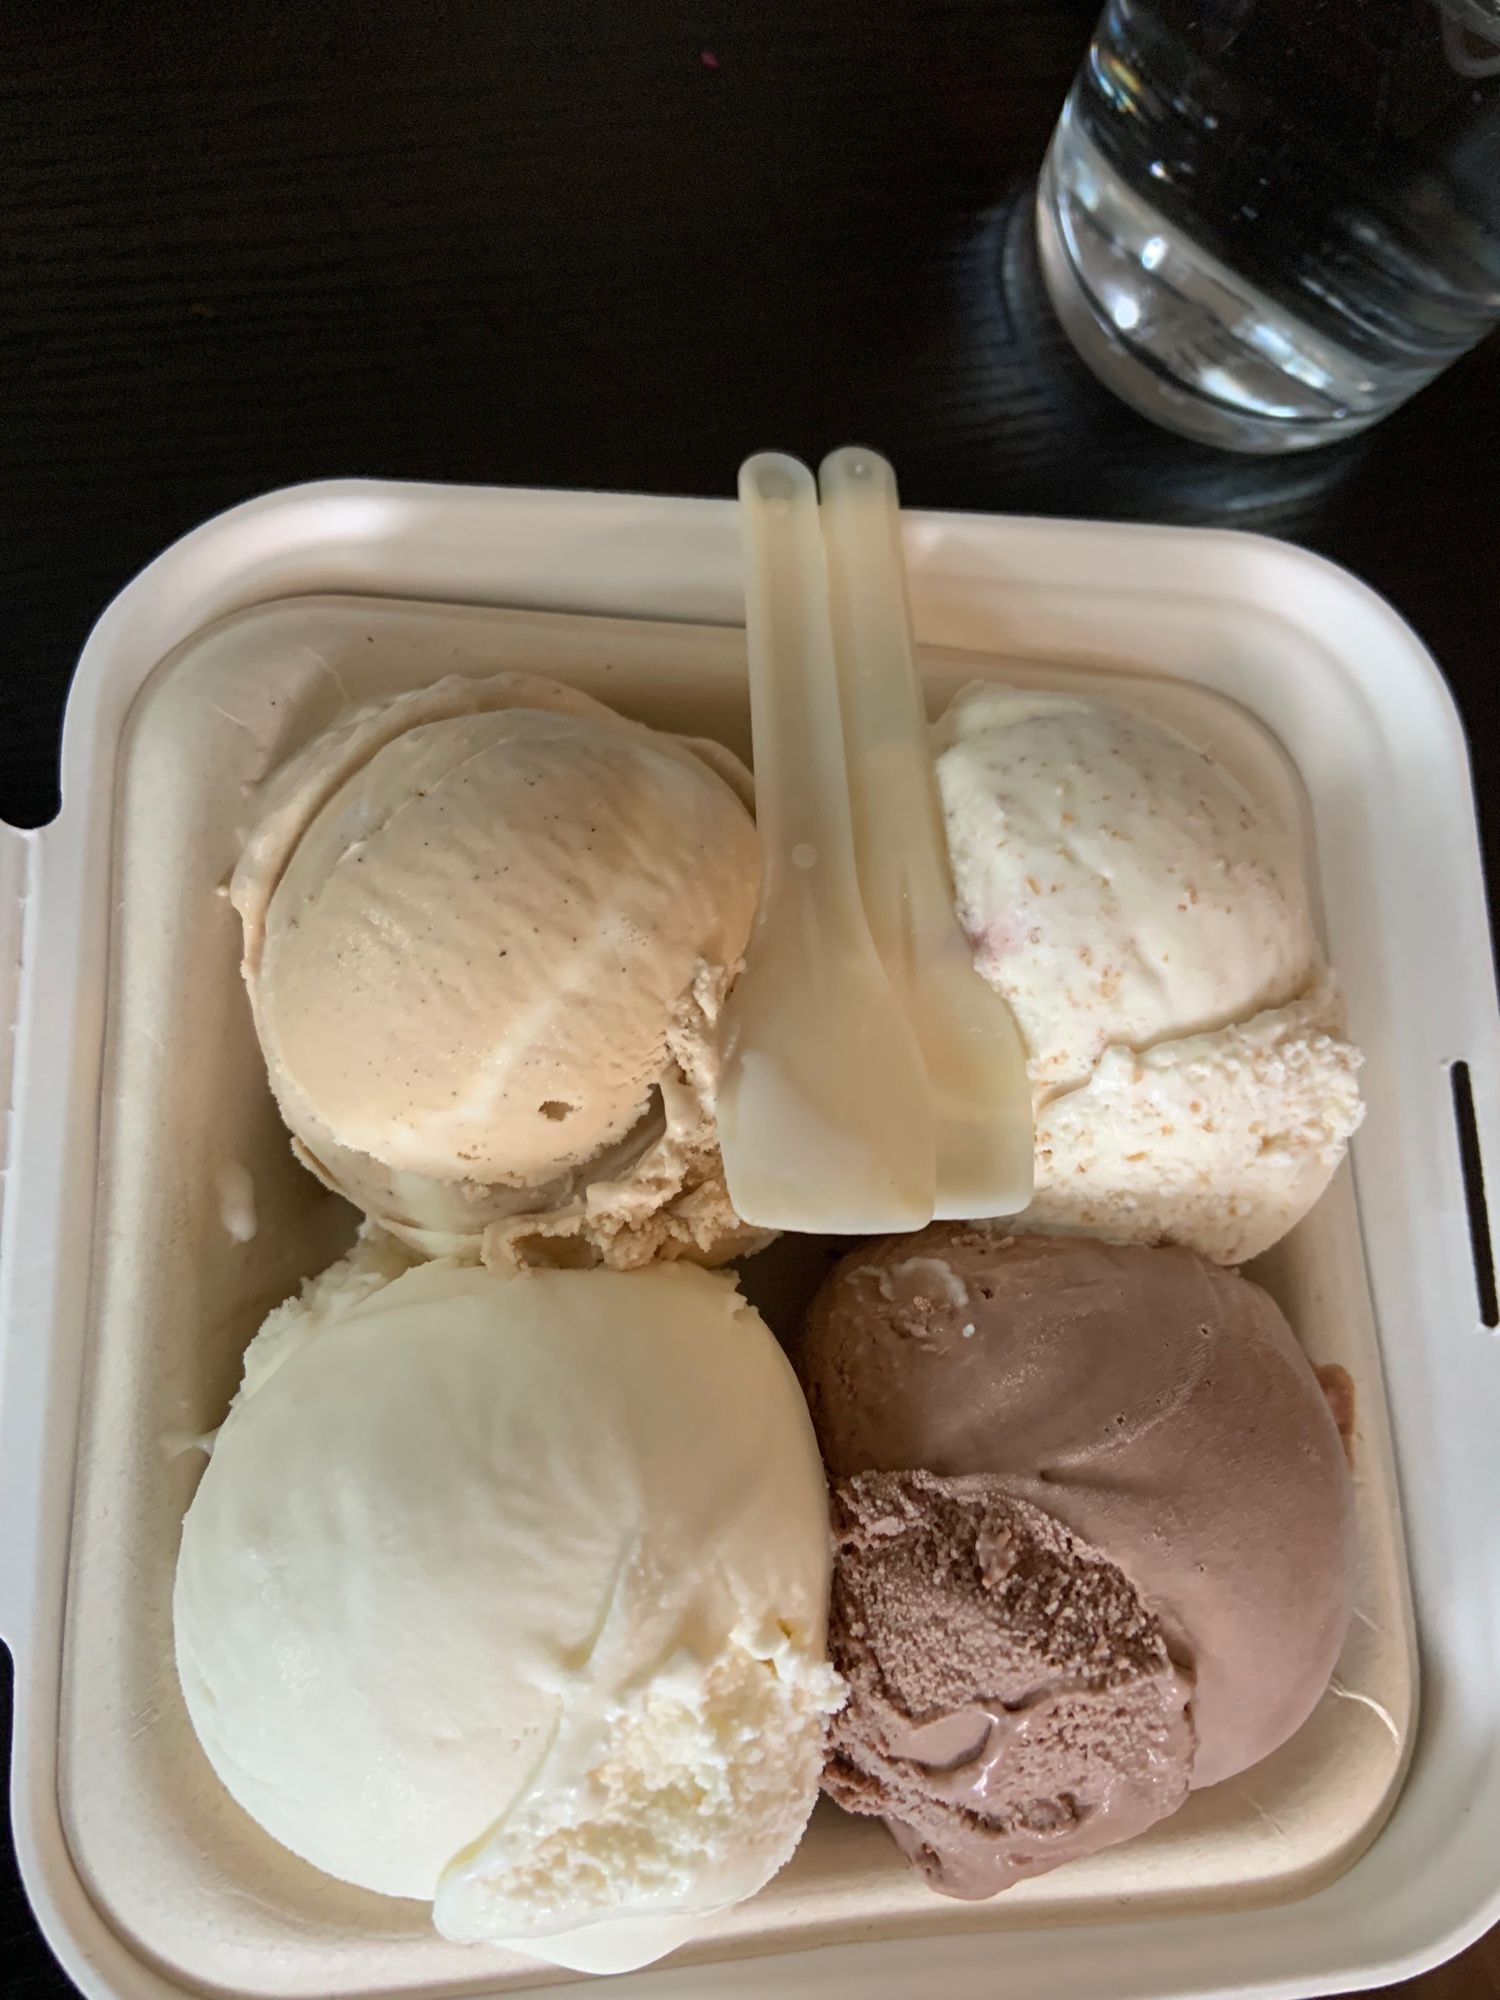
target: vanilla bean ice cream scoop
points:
(489, 926)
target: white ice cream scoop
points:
(509, 1595)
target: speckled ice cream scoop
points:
(1148, 926)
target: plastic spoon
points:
(975, 1059)
(823, 1113)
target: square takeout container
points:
(1367, 1848)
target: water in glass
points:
(1268, 222)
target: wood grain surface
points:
(583, 244)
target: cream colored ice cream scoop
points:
(488, 928)
(823, 1111)
(979, 1090)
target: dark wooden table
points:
(587, 245)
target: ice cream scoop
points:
(510, 1595)
(1148, 925)
(1013, 1705)
(488, 929)
(1155, 1405)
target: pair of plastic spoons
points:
(872, 1080)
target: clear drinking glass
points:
(1265, 223)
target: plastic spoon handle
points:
(974, 1056)
(823, 1113)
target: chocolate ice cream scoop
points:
(1012, 1703)
(1156, 1405)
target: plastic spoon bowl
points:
(823, 1109)
(975, 1060)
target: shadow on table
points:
(1024, 427)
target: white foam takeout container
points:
(142, 1136)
